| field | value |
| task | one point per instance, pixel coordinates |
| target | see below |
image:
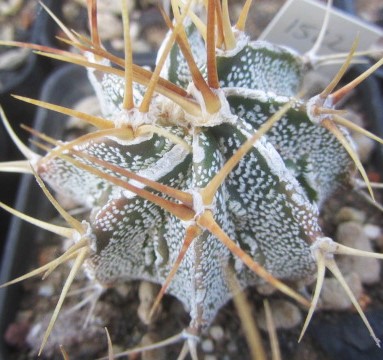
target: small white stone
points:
(141, 46)
(207, 345)
(113, 6)
(209, 357)
(286, 315)
(46, 290)
(372, 231)
(123, 289)
(266, 289)
(333, 297)
(232, 347)
(109, 26)
(147, 292)
(350, 214)
(89, 105)
(352, 234)
(153, 354)
(364, 146)
(13, 58)
(70, 10)
(216, 332)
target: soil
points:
(117, 308)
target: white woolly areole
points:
(133, 117)
(171, 112)
(317, 101)
(135, 141)
(224, 115)
(88, 234)
(188, 223)
(241, 40)
(188, 336)
(314, 103)
(198, 205)
(324, 245)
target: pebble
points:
(154, 354)
(372, 231)
(232, 347)
(286, 315)
(347, 213)
(313, 83)
(334, 298)
(16, 334)
(89, 105)
(110, 26)
(207, 345)
(46, 290)
(141, 46)
(123, 289)
(12, 59)
(266, 289)
(210, 357)
(352, 234)
(10, 7)
(24, 315)
(379, 242)
(113, 6)
(216, 332)
(70, 10)
(155, 36)
(147, 293)
(364, 146)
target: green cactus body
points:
(266, 205)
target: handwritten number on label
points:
(302, 31)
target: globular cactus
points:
(211, 166)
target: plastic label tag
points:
(298, 24)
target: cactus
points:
(212, 164)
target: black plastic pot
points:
(26, 81)
(28, 78)
(21, 239)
